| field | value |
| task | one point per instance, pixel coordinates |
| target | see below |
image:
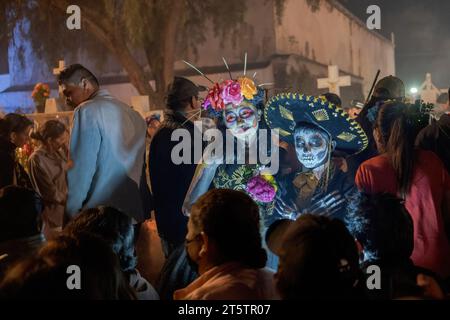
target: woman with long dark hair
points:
(48, 167)
(416, 176)
(14, 133)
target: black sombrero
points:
(285, 110)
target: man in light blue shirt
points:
(107, 149)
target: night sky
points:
(422, 33)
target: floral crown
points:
(231, 91)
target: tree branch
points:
(114, 41)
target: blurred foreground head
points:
(318, 259)
(51, 274)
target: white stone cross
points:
(428, 91)
(61, 66)
(51, 104)
(334, 82)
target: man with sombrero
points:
(316, 128)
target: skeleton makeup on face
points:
(241, 120)
(311, 145)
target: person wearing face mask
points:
(48, 167)
(14, 133)
(230, 265)
(316, 128)
(170, 181)
(107, 148)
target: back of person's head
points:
(333, 98)
(75, 73)
(13, 123)
(51, 129)
(231, 219)
(68, 268)
(382, 225)
(180, 93)
(397, 130)
(381, 94)
(393, 88)
(20, 210)
(112, 225)
(318, 260)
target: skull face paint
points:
(311, 145)
(241, 120)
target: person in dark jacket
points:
(14, 133)
(170, 181)
(20, 217)
(388, 88)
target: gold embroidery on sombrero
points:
(321, 115)
(316, 109)
(284, 133)
(346, 136)
(285, 113)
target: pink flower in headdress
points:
(231, 92)
(261, 189)
(214, 98)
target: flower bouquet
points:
(41, 92)
(262, 188)
(24, 153)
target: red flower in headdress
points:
(214, 98)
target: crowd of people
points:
(359, 208)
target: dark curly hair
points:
(13, 122)
(382, 225)
(52, 129)
(114, 226)
(318, 260)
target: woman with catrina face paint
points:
(316, 128)
(237, 105)
(239, 116)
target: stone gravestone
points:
(51, 106)
(333, 83)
